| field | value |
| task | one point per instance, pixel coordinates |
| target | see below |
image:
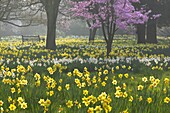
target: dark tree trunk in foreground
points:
(51, 8)
(141, 33)
(151, 31)
(92, 34)
(51, 31)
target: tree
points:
(140, 28)
(110, 15)
(24, 10)
(51, 8)
(92, 31)
(141, 31)
(152, 21)
(150, 27)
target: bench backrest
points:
(30, 38)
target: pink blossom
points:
(121, 12)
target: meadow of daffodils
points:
(79, 78)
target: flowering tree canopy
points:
(121, 12)
(110, 15)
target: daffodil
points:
(1, 103)
(85, 92)
(69, 103)
(140, 87)
(149, 100)
(23, 105)
(90, 110)
(166, 100)
(12, 107)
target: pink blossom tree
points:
(110, 15)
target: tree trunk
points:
(141, 28)
(51, 32)
(141, 33)
(92, 34)
(51, 8)
(111, 29)
(151, 24)
(151, 31)
(109, 47)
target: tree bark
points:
(108, 34)
(151, 24)
(51, 31)
(92, 34)
(52, 8)
(141, 33)
(109, 47)
(151, 31)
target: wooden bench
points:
(31, 38)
